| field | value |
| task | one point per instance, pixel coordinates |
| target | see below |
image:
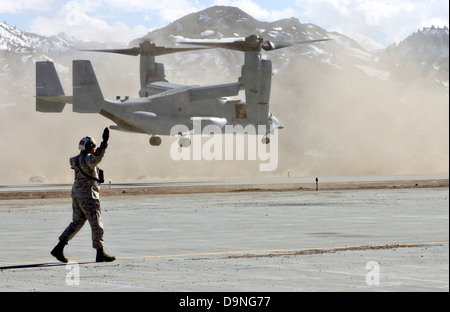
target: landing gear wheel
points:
(184, 142)
(155, 141)
(265, 140)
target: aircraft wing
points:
(214, 91)
(160, 87)
(197, 93)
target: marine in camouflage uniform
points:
(85, 198)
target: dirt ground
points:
(285, 187)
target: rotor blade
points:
(155, 51)
(130, 51)
(269, 45)
(165, 50)
(251, 43)
(235, 45)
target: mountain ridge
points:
(226, 22)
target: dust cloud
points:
(344, 122)
(337, 122)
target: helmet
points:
(86, 144)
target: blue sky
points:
(374, 23)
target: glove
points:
(105, 135)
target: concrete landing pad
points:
(341, 240)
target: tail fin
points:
(49, 92)
(87, 95)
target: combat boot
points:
(58, 252)
(103, 257)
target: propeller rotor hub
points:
(147, 48)
(253, 43)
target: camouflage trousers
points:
(85, 209)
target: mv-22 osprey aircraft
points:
(163, 105)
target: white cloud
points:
(16, 6)
(375, 11)
(166, 11)
(438, 22)
(383, 21)
(341, 6)
(74, 20)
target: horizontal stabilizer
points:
(50, 96)
(56, 99)
(87, 95)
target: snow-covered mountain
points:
(429, 51)
(429, 46)
(17, 41)
(230, 23)
(19, 51)
(426, 49)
